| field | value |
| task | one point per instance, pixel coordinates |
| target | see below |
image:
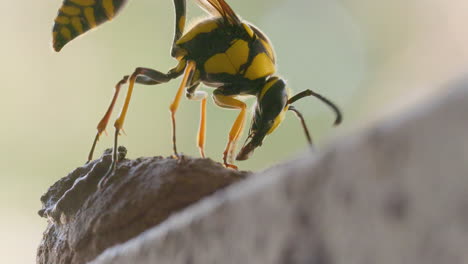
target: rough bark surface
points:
(395, 193)
(85, 220)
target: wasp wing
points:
(220, 8)
(75, 17)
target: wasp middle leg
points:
(193, 94)
(188, 74)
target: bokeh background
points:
(372, 57)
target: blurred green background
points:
(372, 57)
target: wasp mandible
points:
(221, 51)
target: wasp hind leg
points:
(142, 76)
(101, 127)
(226, 100)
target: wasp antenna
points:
(304, 126)
(308, 92)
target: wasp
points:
(221, 51)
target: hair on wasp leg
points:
(221, 51)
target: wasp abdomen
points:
(75, 17)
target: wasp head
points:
(269, 112)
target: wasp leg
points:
(192, 94)
(228, 101)
(189, 69)
(101, 127)
(177, 52)
(141, 76)
(202, 127)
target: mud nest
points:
(83, 220)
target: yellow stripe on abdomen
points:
(70, 10)
(84, 2)
(66, 33)
(90, 17)
(75, 17)
(76, 23)
(108, 6)
(62, 20)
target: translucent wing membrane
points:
(220, 8)
(75, 17)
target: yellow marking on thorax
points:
(261, 66)
(65, 33)
(219, 63)
(267, 87)
(249, 30)
(70, 10)
(109, 8)
(269, 49)
(230, 61)
(83, 2)
(238, 53)
(204, 27)
(89, 14)
(76, 22)
(62, 20)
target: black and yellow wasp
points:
(221, 51)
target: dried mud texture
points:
(84, 220)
